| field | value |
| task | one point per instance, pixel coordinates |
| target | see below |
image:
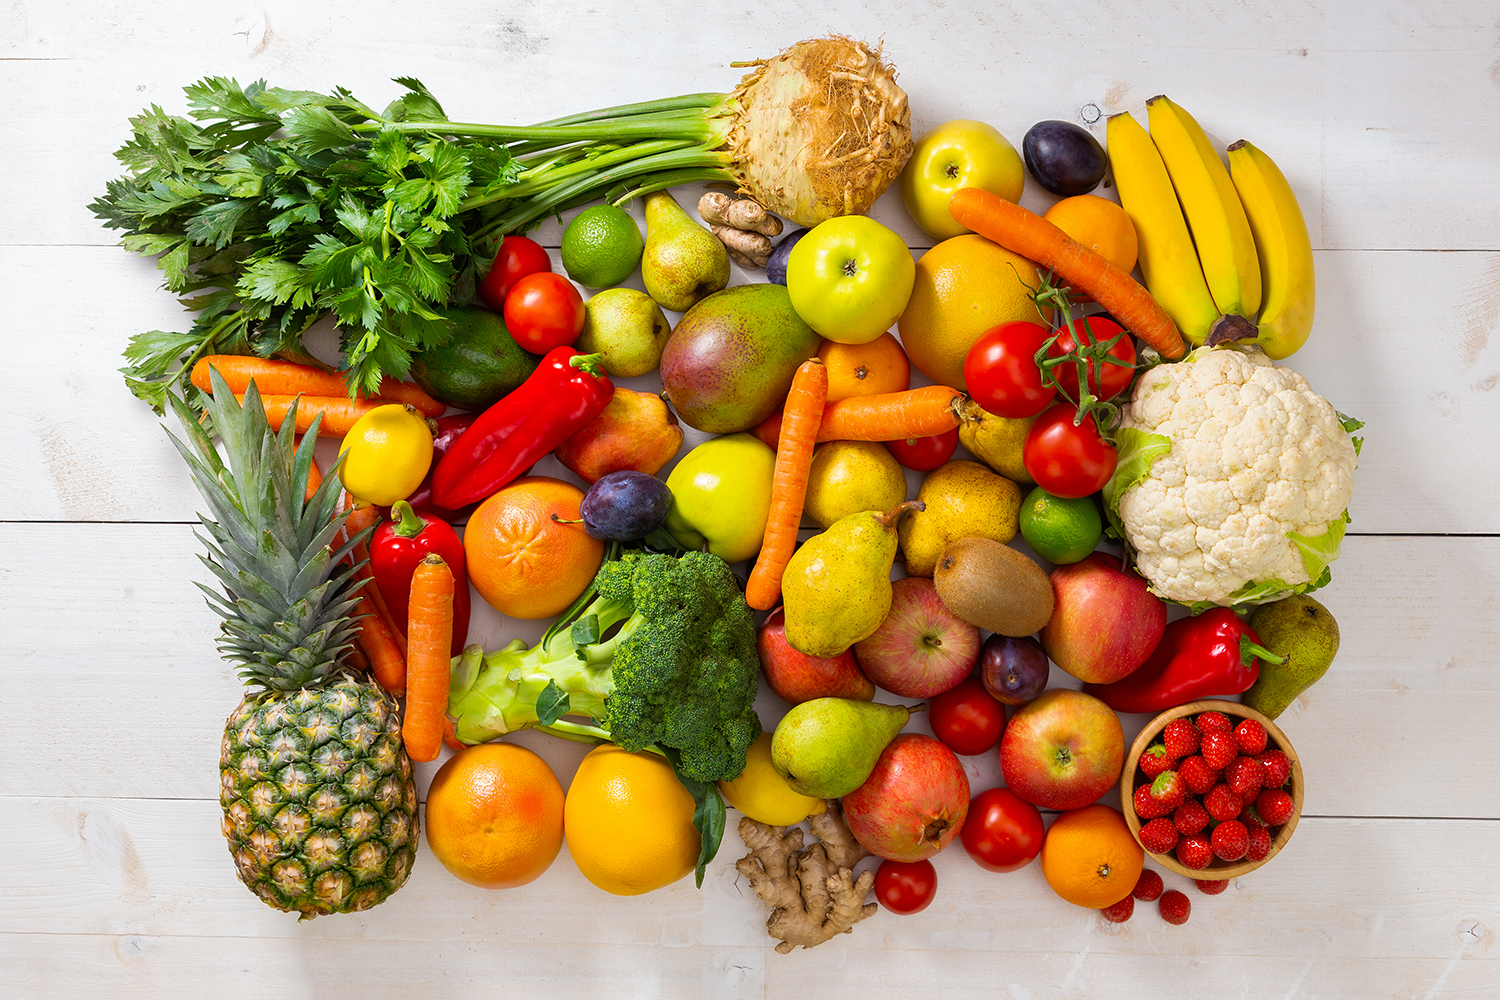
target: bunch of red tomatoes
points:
(542, 310)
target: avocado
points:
(478, 365)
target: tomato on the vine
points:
(1114, 378)
(967, 718)
(905, 887)
(1065, 459)
(1002, 832)
(1001, 373)
(516, 258)
(544, 311)
(926, 453)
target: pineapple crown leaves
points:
(288, 593)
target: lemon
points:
(763, 795)
(386, 454)
(601, 246)
(847, 477)
(1060, 530)
(629, 822)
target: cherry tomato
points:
(1115, 377)
(905, 887)
(544, 311)
(516, 258)
(925, 454)
(1002, 833)
(1065, 460)
(1001, 373)
(967, 718)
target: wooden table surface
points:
(1385, 115)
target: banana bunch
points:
(1225, 252)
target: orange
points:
(1089, 857)
(495, 815)
(965, 287)
(522, 562)
(865, 369)
(1100, 225)
(629, 821)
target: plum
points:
(1013, 670)
(776, 265)
(624, 506)
(1064, 158)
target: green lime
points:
(601, 246)
(1060, 531)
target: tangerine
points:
(629, 821)
(495, 815)
(1089, 857)
(524, 563)
(1099, 224)
(878, 366)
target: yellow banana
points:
(1286, 259)
(1167, 258)
(1214, 213)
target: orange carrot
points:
(794, 447)
(891, 416)
(362, 516)
(769, 430)
(1022, 231)
(339, 412)
(386, 661)
(356, 658)
(450, 734)
(287, 378)
(429, 638)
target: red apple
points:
(913, 804)
(1105, 623)
(921, 649)
(797, 677)
(1063, 750)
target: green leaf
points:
(1138, 451)
(1350, 425)
(277, 281)
(417, 106)
(214, 226)
(150, 244)
(1320, 550)
(708, 813)
(585, 631)
(552, 704)
(313, 130)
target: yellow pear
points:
(847, 477)
(963, 500)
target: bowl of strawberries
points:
(1212, 789)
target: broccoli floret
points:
(663, 655)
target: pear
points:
(1301, 630)
(995, 441)
(836, 589)
(682, 262)
(627, 327)
(964, 500)
(827, 747)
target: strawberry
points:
(1260, 844)
(1145, 806)
(1213, 722)
(1154, 760)
(1278, 768)
(1168, 790)
(1274, 806)
(1219, 749)
(1196, 774)
(1211, 886)
(1195, 851)
(1222, 804)
(1175, 907)
(1148, 887)
(1181, 738)
(1250, 817)
(1230, 840)
(1245, 775)
(1190, 818)
(1159, 836)
(1251, 736)
(1119, 912)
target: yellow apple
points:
(955, 155)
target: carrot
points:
(356, 657)
(339, 412)
(386, 661)
(287, 378)
(769, 430)
(429, 638)
(362, 516)
(891, 416)
(1022, 231)
(800, 421)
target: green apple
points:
(849, 278)
(955, 155)
(721, 495)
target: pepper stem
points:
(1250, 650)
(588, 363)
(409, 523)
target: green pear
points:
(827, 747)
(628, 328)
(682, 262)
(1301, 630)
(836, 589)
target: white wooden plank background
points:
(1385, 116)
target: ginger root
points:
(742, 225)
(812, 891)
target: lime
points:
(1060, 531)
(601, 246)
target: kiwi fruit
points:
(991, 585)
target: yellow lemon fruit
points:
(763, 795)
(629, 822)
(386, 454)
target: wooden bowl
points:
(1218, 868)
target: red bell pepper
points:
(399, 545)
(449, 430)
(567, 390)
(1211, 655)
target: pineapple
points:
(320, 808)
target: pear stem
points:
(889, 519)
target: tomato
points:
(543, 311)
(516, 258)
(1115, 377)
(1066, 460)
(967, 718)
(905, 887)
(1002, 832)
(925, 454)
(1001, 373)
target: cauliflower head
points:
(1234, 479)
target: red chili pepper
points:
(567, 390)
(399, 545)
(1212, 655)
